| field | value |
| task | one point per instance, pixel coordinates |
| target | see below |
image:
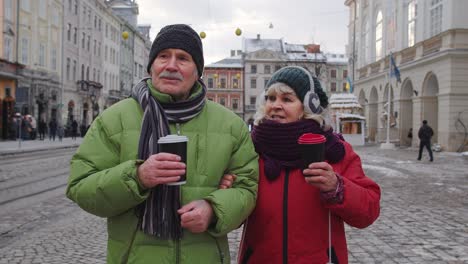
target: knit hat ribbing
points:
(178, 36)
(299, 79)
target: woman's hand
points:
(321, 175)
(227, 181)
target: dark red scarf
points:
(277, 144)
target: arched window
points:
(365, 38)
(82, 71)
(378, 36)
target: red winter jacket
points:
(290, 221)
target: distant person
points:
(410, 135)
(425, 134)
(74, 129)
(42, 129)
(52, 129)
(60, 132)
(33, 123)
(82, 129)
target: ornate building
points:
(429, 42)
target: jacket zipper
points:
(127, 253)
(285, 217)
(221, 254)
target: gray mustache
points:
(173, 75)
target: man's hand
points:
(321, 175)
(227, 181)
(160, 168)
(196, 216)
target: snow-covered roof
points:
(305, 56)
(336, 58)
(350, 116)
(251, 45)
(344, 100)
(294, 48)
(231, 62)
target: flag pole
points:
(387, 144)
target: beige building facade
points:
(429, 43)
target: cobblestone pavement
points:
(424, 218)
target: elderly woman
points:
(300, 214)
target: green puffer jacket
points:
(103, 182)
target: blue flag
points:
(349, 85)
(394, 71)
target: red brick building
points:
(225, 82)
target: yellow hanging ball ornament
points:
(125, 35)
(238, 32)
(202, 35)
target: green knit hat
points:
(306, 87)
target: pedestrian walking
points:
(60, 132)
(118, 171)
(74, 129)
(425, 134)
(52, 129)
(300, 213)
(42, 129)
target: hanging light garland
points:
(125, 35)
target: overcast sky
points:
(297, 21)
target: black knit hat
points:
(301, 81)
(178, 36)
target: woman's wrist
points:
(334, 196)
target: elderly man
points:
(119, 173)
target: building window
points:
(8, 48)
(411, 23)
(277, 67)
(76, 7)
(436, 17)
(210, 82)
(378, 36)
(333, 87)
(68, 69)
(265, 81)
(235, 83)
(74, 70)
(82, 72)
(88, 44)
(253, 99)
(69, 27)
(24, 51)
(222, 101)
(75, 33)
(333, 73)
(253, 68)
(41, 54)
(8, 5)
(223, 83)
(345, 74)
(87, 73)
(365, 38)
(344, 86)
(25, 5)
(267, 69)
(235, 104)
(253, 83)
(42, 11)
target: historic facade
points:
(224, 80)
(428, 40)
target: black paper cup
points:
(312, 147)
(175, 144)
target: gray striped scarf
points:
(158, 214)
